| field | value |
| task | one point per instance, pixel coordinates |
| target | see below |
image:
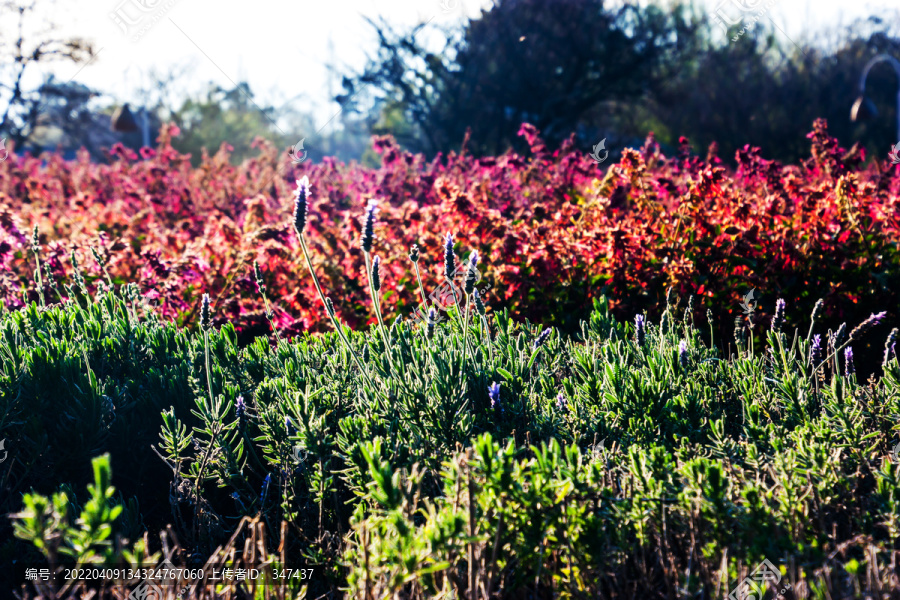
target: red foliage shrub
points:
(553, 230)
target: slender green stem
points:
(334, 321)
(377, 305)
(468, 309)
(486, 333)
(208, 373)
(215, 435)
(459, 314)
(269, 317)
(421, 287)
(40, 280)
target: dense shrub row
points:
(630, 460)
(554, 230)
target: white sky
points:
(282, 47)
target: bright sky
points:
(283, 47)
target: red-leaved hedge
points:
(554, 230)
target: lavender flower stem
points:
(334, 322)
(377, 305)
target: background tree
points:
(522, 60)
(621, 72)
(21, 107)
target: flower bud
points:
(376, 274)
(479, 303)
(890, 347)
(204, 313)
(432, 321)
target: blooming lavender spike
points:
(494, 395)
(815, 353)
(890, 347)
(471, 273)
(368, 234)
(301, 204)
(683, 353)
(848, 359)
(866, 325)
(414, 253)
(539, 341)
(778, 319)
(240, 408)
(204, 313)
(449, 258)
(640, 330)
(561, 402)
(376, 273)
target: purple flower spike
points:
(494, 395)
(539, 341)
(778, 319)
(301, 204)
(561, 402)
(866, 325)
(815, 352)
(368, 234)
(640, 330)
(683, 353)
(848, 359)
(449, 258)
(376, 273)
(471, 273)
(204, 313)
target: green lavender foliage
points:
(651, 459)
